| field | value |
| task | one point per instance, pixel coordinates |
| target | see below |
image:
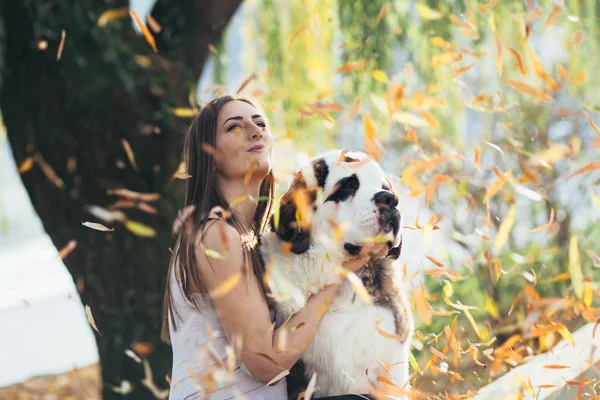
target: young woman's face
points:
(244, 142)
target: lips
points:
(256, 149)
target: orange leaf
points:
(385, 333)
(556, 366)
(462, 70)
(26, 165)
(370, 140)
(546, 226)
(422, 305)
(382, 13)
(519, 59)
(353, 111)
(589, 167)
(486, 7)
(529, 90)
(436, 262)
(65, 251)
(357, 65)
(430, 118)
(145, 31)
(477, 156)
(592, 124)
(552, 16)
(496, 186)
(153, 24)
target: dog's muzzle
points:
(389, 216)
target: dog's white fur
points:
(347, 350)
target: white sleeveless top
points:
(199, 347)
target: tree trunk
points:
(72, 116)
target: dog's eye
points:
(345, 188)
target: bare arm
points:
(243, 309)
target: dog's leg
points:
(399, 370)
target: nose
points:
(385, 199)
(256, 132)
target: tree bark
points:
(72, 116)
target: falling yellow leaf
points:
(505, 228)
(113, 14)
(226, 286)
(564, 332)
(183, 112)
(441, 43)
(491, 308)
(26, 165)
(213, 254)
(430, 118)
(370, 139)
(405, 118)
(575, 268)
(145, 31)
(477, 157)
(379, 76)
(129, 153)
(427, 13)
(496, 186)
(588, 294)
(356, 283)
(139, 229)
(498, 53)
(90, 318)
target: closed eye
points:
(233, 127)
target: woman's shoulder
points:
(218, 232)
(219, 247)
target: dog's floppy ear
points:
(298, 204)
(395, 252)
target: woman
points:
(219, 325)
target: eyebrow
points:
(239, 118)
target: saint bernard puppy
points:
(337, 207)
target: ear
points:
(394, 252)
(298, 204)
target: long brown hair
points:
(203, 193)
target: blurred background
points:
(484, 113)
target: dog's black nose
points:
(385, 198)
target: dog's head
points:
(342, 200)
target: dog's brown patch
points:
(377, 278)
